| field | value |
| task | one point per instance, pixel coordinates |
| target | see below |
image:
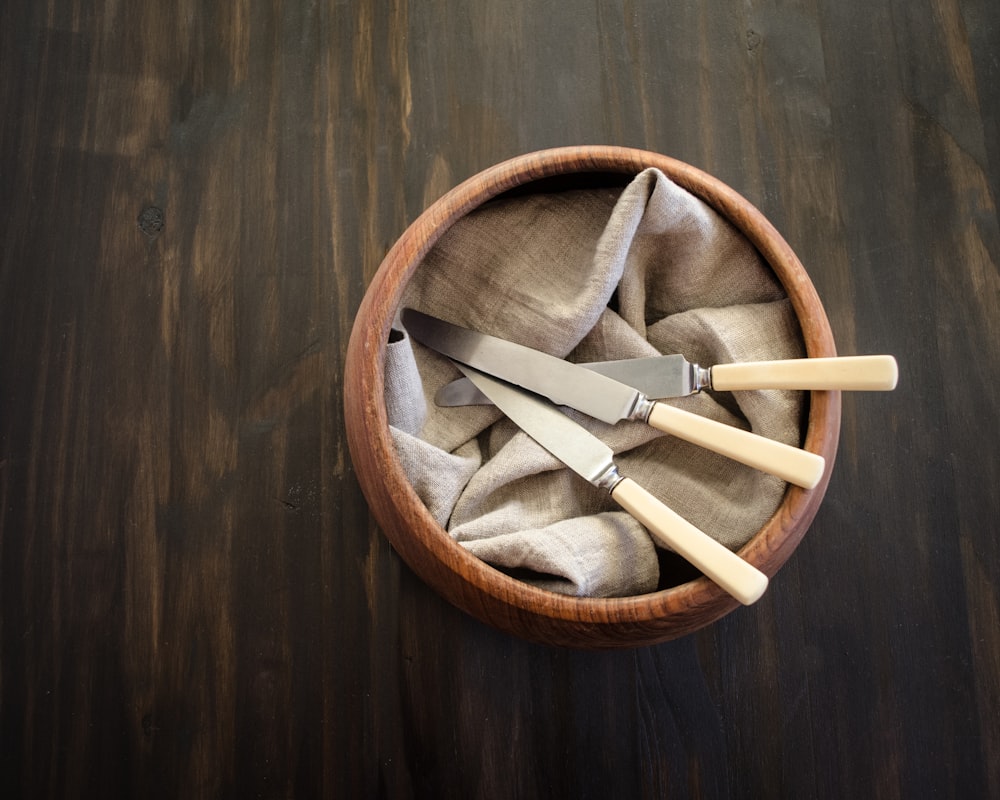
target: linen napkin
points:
(591, 274)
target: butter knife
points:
(662, 377)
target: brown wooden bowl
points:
(471, 584)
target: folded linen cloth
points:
(591, 274)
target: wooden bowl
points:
(471, 584)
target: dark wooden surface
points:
(193, 599)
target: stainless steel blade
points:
(562, 382)
(657, 377)
(460, 392)
(568, 441)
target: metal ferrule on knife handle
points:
(607, 479)
(701, 378)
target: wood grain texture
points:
(194, 600)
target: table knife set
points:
(529, 385)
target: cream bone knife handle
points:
(852, 373)
(790, 463)
(742, 580)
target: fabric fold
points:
(591, 274)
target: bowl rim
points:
(472, 584)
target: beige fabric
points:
(589, 275)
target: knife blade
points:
(593, 460)
(607, 399)
(662, 377)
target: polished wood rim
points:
(471, 584)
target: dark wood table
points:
(194, 601)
